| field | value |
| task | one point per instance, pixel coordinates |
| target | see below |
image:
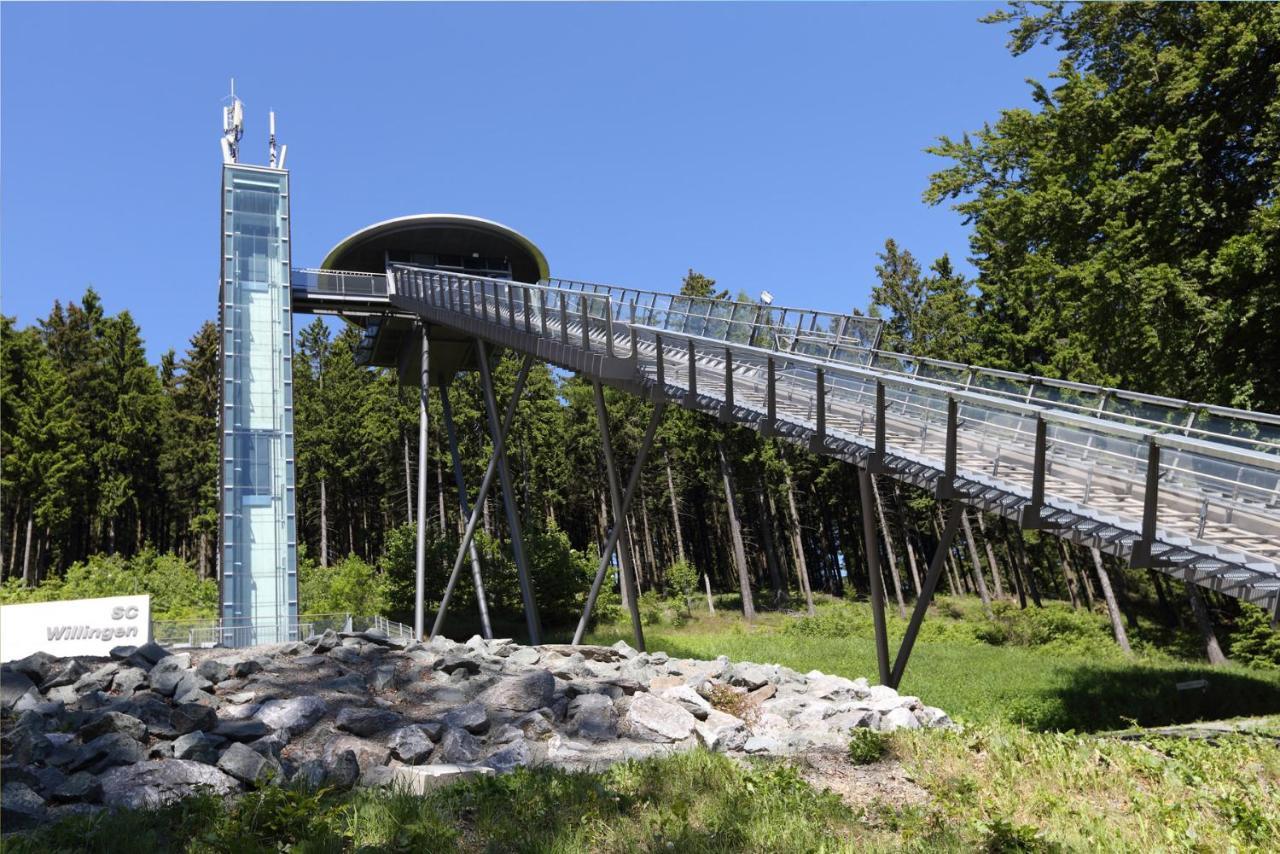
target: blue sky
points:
(771, 146)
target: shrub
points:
(867, 746)
(177, 593)
(350, 585)
(1254, 641)
(682, 581)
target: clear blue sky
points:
(769, 146)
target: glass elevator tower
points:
(259, 566)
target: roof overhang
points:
(364, 250)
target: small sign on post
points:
(74, 626)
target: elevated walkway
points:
(1190, 489)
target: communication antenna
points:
(232, 126)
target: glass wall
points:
(259, 549)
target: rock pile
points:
(146, 727)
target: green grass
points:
(1006, 781)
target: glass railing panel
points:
(1241, 432)
(1219, 500)
(1147, 414)
(1083, 401)
(995, 441)
(1000, 385)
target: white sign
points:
(74, 626)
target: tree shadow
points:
(1102, 697)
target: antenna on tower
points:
(232, 126)
(271, 139)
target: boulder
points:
(66, 672)
(366, 722)
(129, 679)
(243, 730)
(342, 770)
(688, 699)
(751, 676)
(722, 731)
(105, 722)
(473, 717)
(295, 715)
(13, 685)
(591, 716)
(365, 751)
(421, 779)
(899, 718)
(459, 661)
(514, 755)
(458, 747)
(147, 656)
(106, 751)
(762, 744)
(653, 719)
(383, 678)
(624, 649)
(411, 744)
(35, 666)
(523, 693)
(155, 783)
(324, 642)
(198, 746)
(21, 807)
(525, 655)
(190, 717)
(247, 765)
(81, 786)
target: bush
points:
(682, 581)
(350, 585)
(1253, 641)
(177, 593)
(867, 746)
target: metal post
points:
(509, 502)
(818, 442)
(625, 557)
(618, 528)
(936, 563)
(447, 412)
(420, 556)
(1141, 555)
(771, 399)
(486, 482)
(726, 410)
(872, 542)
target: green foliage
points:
(176, 591)
(1254, 641)
(350, 585)
(682, 581)
(867, 746)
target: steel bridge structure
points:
(1187, 489)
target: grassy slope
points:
(995, 785)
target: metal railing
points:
(212, 631)
(338, 283)
(1137, 474)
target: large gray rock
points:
(593, 717)
(66, 672)
(366, 751)
(525, 655)
(190, 717)
(159, 782)
(247, 765)
(752, 676)
(899, 718)
(721, 731)
(21, 807)
(105, 722)
(129, 679)
(147, 656)
(688, 699)
(410, 744)
(652, 719)
(35, 666)
(454, 661)
(105, 751)
(512, 756)
(366, 722)
(522, 693)
(81, 786)
(458, 747)
(13, 685)
(473, 717)
(295, 715)
(198, 746)
(250, 729)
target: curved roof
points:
(438, 233)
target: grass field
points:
(1007, 780)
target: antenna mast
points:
(232, 126)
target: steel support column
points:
(465, 509)
(926, 595)
(499, 447)
(618, 530)
(420, 549)
(872, 541)
(509, 500)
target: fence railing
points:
(211, 632)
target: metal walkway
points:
(1190, 489)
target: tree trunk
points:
(977, 564)
(735, 532)
(1068, 570)
(203, 561)
(648, 544)
(675, 507)
(797, 547)
(906, 537)
(1015, 574)
(440, 496)
(324, 525)
(770, 555)
(28, 569)
(711, 606)
(1171, 618)
(991, 556)
(1113, 609)
(888, 547)
(1211, 646)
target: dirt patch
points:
(885, 782)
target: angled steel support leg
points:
(420, 547)
(465, 509)
(499, 446)
(618, 528)
(936, 563)
(509, 501)
(625, 564)
(872, 540)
